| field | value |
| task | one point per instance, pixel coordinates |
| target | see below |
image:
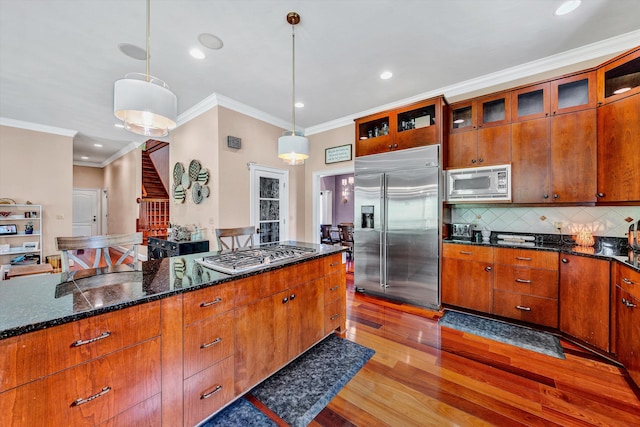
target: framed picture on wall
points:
(30, 246)
(338, 154)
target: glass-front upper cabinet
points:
(619, 78)
(573, 93)
(373, 134)
(531, 102)
(490, 110)
(462, 117)
(419, 124)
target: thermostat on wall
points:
(233, 142)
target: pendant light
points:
(143, 102)
(293, 147)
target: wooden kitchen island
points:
(170, 345)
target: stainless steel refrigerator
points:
(397, 225)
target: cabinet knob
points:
(487, 268)
(555, 196)
(395, 145)
(292, 297)
(473, 160)
(480, 160)
(546, 196)
(285, 300)
(600, 194)
(389, 146)
(565, 261)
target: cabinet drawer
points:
(332, 263)
(145, 414)
(542, 311)
(468, 252)
(523, 280)
(208, 302)
(207, 342)
(87, 394)
(526, 258)
(628, 280)
(334, 315)
(26, 357)
(208, 391)
(335, 286)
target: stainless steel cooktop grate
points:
(243, 260)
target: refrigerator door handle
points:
(383, 231)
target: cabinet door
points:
(530, 161)
(494, 110)
(494, 145)
(531, 102)
(366, 130)
(467, 284)
(261, 340)
(619, 78)
(462, 117)
(628, 332)
(573, 157)
(573, 93)
(462, 150)
(305, 316)
(584, 299)
(426, 124)
(618, 153)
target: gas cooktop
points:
(244, 260)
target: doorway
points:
(87, 212)
(269, 208)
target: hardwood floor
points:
(425, 375)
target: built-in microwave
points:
(481, 184)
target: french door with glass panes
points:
(269, 203)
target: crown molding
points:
(216, 99)
(608, 47)
(124, 150)
(37, 127)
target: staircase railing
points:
(153, 218)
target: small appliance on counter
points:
(461, 231)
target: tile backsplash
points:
(601, 221)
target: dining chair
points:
(120, 242)
(346, 237)
(325, 235)
(239, 237)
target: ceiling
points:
(59, 59)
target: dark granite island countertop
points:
(32, 303)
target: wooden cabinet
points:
(619, 77)
(480, 132)
(626, 305)
(618, 153)
(573, 93)
(531, 156)
(85, 372)
(584, 299)
(467, 276)
(531, 102)
(208, 391)
(410, 126)
(305, 316)
(526, 285)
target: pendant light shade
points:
(293, 147)
(144, 103)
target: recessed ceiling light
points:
(567, 7)
(84, 158)
(621, 90)
(299, 104)
(97, 145)
(197, 53)
(386, 75)
(119, 125)
(133, 51)
(210, 41)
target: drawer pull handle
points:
(335, 288)
(211, 393)
(335, 316)
(627, 281)
(81, 401)
(333, 264)
(214, 342)
(90, 340)
(466, 252)
(207, 304)
(522, 258)
(520, 307)
(523, 281)
(628, 303)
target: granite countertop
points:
(31, 303)
(610, 248)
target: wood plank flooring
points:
(425, 375)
